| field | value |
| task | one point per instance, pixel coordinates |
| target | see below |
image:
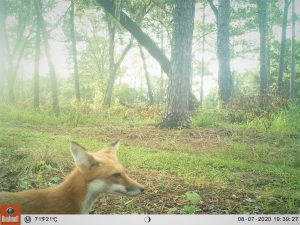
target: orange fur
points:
(70, 196)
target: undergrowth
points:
(84, 115)
(262, 114)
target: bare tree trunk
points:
(52, 73)
(74, 52)
(113, 67)
(14, 57)
(203, 49)
(177, 112)
(149, 86)
(11, 92)
(262, 6)
(3, 48)
(292, 81)
(13, 70)
(2, 77)
(161, 95)
(37, 66)
(222, 15)
(282, 45)
(223, 51)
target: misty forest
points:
(203, 94)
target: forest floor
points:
(203, 170)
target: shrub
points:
(246, 107)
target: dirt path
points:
(172, 140)
(164, 194)
(187, 140)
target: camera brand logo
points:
(10, 214)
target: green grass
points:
(234, 162)
(74, 116)
(267, 166)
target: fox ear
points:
(81, 157)
(115, 145)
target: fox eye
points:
(117, 175)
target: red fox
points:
(94, 174)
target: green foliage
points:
(126, 95)
(207, 118)
(282, 122)
(246, 83)
(274, 66)
(264, 114)
(211, 101)
(193, 197)
(190, 209)
(247, 107)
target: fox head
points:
(103, 171)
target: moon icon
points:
(147, 219)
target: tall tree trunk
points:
(177, 110)
(292, 81)
(2, 77)
(141, 37)
(269, 42)
(112, 69)
(113, 66)
(282, 45)
(10, 89)
(36, 88)
(13, 71)
(161, 95)
(262, 6)
(149, 86)
(223, 51)
(74, 52)
(3, 48)
(14, 57)
(202, 60)
(52, 73)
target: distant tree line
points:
(173, 29)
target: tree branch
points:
(214, 8)
(125, 51)
(141, 37)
